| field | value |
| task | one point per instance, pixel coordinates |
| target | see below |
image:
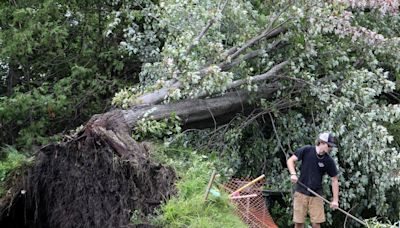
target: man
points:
(315, 162)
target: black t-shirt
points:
(313, 167)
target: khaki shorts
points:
(303, 204)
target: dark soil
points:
(83, 183)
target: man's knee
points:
(299, 225)
(315, 225)
(317, 213)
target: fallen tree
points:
(99, 176)
(306, 56)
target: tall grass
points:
(188, 208)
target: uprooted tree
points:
(308, 67)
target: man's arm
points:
(292, 168)
(335, 190)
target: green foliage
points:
(346, 102)
(375, 223)
(147, 128)
(337, 57)
(59, 65)
(222, 146)
(136, 218)
(194, 61)
(61, 60)
(282, 215)
(394, 129)
(193, 212)
(11, 160)
(29, 114)
(188, 208)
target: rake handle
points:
(248, 184)
(340, 209)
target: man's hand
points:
(334, 204)
(294, 178)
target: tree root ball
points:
(83, 183)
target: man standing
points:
(315, 162)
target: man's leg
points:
(317, 213)
(300, 204)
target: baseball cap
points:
(328, 138)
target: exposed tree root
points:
(84, 183)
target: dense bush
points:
(59, 65)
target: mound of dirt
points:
(83, 183)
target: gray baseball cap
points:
(328, 138)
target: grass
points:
(188, 208)
(11, 161)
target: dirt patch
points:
(83, 183)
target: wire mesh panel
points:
(250, 204)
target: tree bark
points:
(115, 126)
(193, 110)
